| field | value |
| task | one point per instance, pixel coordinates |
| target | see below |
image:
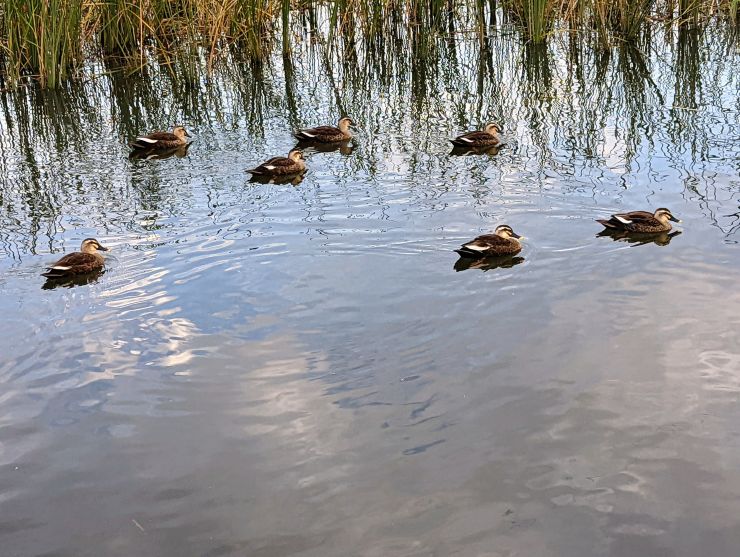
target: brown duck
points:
(87, 260)
(481, 138)
(503, 241)
(294, 163)
(161, 140)
(641, 221)
(327, 134)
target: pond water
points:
(299, 370)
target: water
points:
(274, 370)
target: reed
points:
(121, 26)
(534, 16)
(42, 37)
(733, 11)
(623, 18)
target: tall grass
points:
(42, 37)
(623, 18)
(121, 26)
(46, 38)
(535, 16)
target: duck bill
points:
(103, 248)
(517, 236)
(187, 134)
(674, 219)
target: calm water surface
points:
(280, 370)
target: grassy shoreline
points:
(47, 40)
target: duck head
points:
(345, 124)
(296, 155)
(493, 129)
(505, 231)
(664, 215)
(91, 245)
(181, 132)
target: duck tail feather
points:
(606, 223)
(465, 252)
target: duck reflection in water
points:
(487, 263)
(640, 238)
(159, 154)
(460, 151)
(292, 179)
(72, 281)
(344, 147)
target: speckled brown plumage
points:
(502, 242)
(326, 134)
(642, 222)
(480, 138)
(161, 140)
(294, 163)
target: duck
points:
(161, 140)
(503, 241)
(327, 134)
(643, 222)
(87, 260)
(294, 163)
(480, 138)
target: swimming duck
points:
(641, 221)
(327, 134)
(488, 136)
(87, 260)
(504, 241)
(294, 163)
(161, 140)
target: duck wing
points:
(73, 263)
(154, 139)
(633, 220)
(320, 130)
(160, 136)
(485, 245)
(320, 133)
(273, 166)
(471, 138)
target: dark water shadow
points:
(159, 154)
(639, 239)
(72, 281)
(487, 263)
(458, 151)
(293, 179)
(344, 147)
